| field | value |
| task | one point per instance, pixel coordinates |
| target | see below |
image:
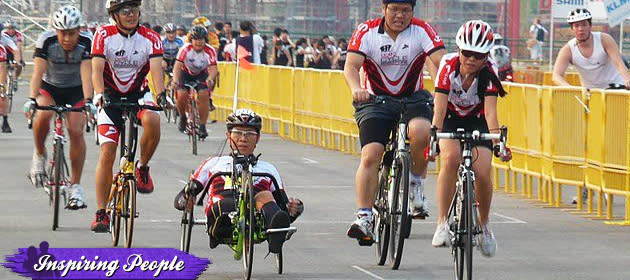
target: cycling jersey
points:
(7, 42)
(127, 56)
(3, 54)
(394, 67)
(194, 63)
(463, 102)
(501, 55)
(220, 183)
(171, 48)
(16, 37)
(63, 69)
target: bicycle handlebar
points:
(57, 109)
(129, 105)
(464, 137)
(215, 175)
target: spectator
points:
(218, 29)
(537, 33)
(287, 44)
(263, 53)
(300, 52)
(253, 43)
(181, 32)
(339, 60)
(321, 57)
(227, 30)
(283, 57)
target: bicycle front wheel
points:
(11, 92)
(188, 220)
(194, 125)
(470, 231)
(114, 211)
(398, 211)
(248, 233)
(380, 222)
(129, 210)
(57, 183)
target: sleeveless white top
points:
(596, 71)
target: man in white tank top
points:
(594, 54)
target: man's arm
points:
(177, 72)
(213, 71)
(157, 74)
(613, 52)
(560, 67)
(39, 68)
(436, 58)
(354, 61)
(86, 78)
(98, 66)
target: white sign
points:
(562, 8)
(617, 11)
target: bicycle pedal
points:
(366, 242)
(137, 215)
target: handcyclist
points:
(123, 53)
(243, 133)
(392, 51)
(62, 75)
(196, 61)
(466, 97)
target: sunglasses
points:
(129, 10)
(475, 54)
(236, 133)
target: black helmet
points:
(198, 32)
(114, 5)
(412, 2)
(244, 117)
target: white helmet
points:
(66, 17)
(476, 36)
(579, 14)
(169, 27)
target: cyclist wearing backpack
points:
(538, 33)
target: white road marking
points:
(308, 160)
(367, 272)
(182, 181)
(512, 220)
(318, 187)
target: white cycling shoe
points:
(441, 237)
(488, 244)
(75, 197)
(37, 172)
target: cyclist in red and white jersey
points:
(16, 36)
(11, 52)
(392, 51)
(466, 97)
(123, 53)
(196, 61)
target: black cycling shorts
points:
(186, 78)
(72, 96)
(469, 123)
(376, 120)
(219, 208)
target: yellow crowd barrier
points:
(560, 136)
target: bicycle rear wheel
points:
(129, 210)
(398, 215)
(381, 225)
(248, 233)
(114, 212)
(11, 92)
(468, 237)
(188, 220)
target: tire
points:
(398, 214)
(10, 92)
(380, 222)
(457, 223)
(129, 210)
(114, 222)
(248, 233)
(279, 262)
(194, 124)
(469, 234)
(188, 220)
(57, 183)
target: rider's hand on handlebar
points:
(98, 99)
(360, 95)
(295, 207)
(505, 155)
(162, 99)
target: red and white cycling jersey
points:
(7, 42)
(220, 183)
(127, 57)
(196, 62)
(3, 54)
(449, 82)
(16, 38)
(394, 67)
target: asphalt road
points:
(534, 242)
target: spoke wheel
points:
(468, 237)
(192, 118)
(457, 224)
(188, 220)
(279, 262)
(129, 210)
(248, 233)
(399, 203)
(114, 212)
(380, 222)
(57, 183)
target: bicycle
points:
(170, 114)
(192, 115)
(392, 215)
(12, 84)
(121, 203)
(249, 223)
(56, 179)
(92, 125)
(463, 212)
